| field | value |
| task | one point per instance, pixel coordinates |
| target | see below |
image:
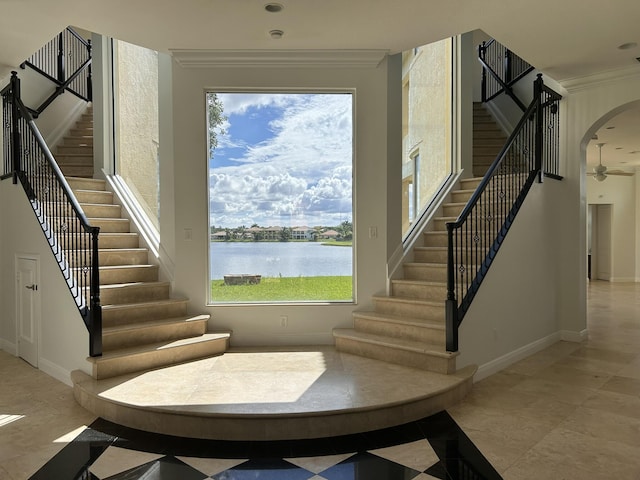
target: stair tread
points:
(123, 267)
(425, 264)
(426, 283)
(157, 346)
(153, 323)
(399, 343)
(401, 319)
(114, 286)
(124, 306)
(417, 301)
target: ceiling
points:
(621, 138)
(565, 39)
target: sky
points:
(282, 159)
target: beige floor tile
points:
(211, 466)
(618, 403)
(573, 377)
(417, 455)
(625, 385)
(603, 425)
(116, 460)
(603, 354)
(557, 391)
(500, 453)
(319, 464)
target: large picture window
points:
(280, 197)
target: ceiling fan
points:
(600, 172)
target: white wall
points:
(621, 193)
(516, 305)
(64, 340)
(260, 325)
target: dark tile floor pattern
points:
(106, 451)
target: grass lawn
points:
(338, 243)
(287, 289)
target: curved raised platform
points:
(272, 394)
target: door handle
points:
(33, 287)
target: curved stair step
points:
(166, 329)
(397, 326)
(153, 355)
(410, 353)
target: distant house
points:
(332, 234)
(272, 233)
(302, 233)
(219, 235)
(253, 231)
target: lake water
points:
(272, 259)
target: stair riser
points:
(152, 334)
(430, 256)
(129, 275)
(486, 127)
(451, 210)
(400, 357)
(461, 196)
(109, 258)
(79, 140)
(394, 330)
(112, 317)
(133, 294)
(79, 149)
(428, 273)
(76, 171)
(119, 241)
(486, 150)
(74, 160)
(86, 184)
(168, 356)
(410, 310)
(420, 292)
(117, 257)
(432, 239)
(111, 225)
(81, 132)
(94, 197)
(496, 141)
(102, 211)
(470, 184)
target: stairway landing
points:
(272, 394)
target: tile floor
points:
(570, 411)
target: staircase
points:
(408, 326)
(488, 139)
(75, 154)
(143, 327)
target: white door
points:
(28, 308)
(603, 242)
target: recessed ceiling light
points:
(627, 46)
(273, 7)
(618, 148)
(276, 34)
(610, 128)
(634, 152)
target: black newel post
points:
(537, 95)
(89, 75)
(61, 66)
(451, 305)
(15, 130)
(95, 321)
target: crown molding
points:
(577, 84)
(279, 58)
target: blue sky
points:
(285, 159)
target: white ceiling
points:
(565, 39)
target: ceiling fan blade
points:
(621, 173)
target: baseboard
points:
(623, 280)
(500, 363)
(55, 371)
(571, 336)
(9, 347)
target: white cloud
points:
(300, 175)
